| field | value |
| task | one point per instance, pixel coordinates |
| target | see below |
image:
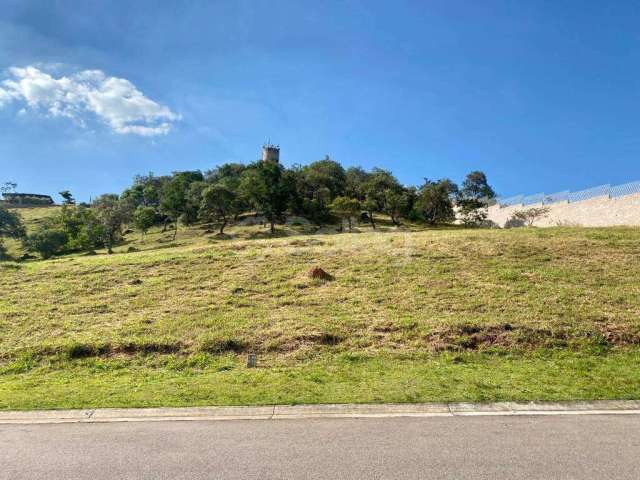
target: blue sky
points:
(542, 96)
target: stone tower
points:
(270, 153)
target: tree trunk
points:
(224, 224)
(273, 225)
(373, 223)
(164, 226)
(349, 220)
(175, 232)
(110, 242)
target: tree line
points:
(323, 192)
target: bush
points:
(46, 241)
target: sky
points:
(542, 96)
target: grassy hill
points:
(411, 315)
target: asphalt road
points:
(547, 447)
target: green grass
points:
(411, 315)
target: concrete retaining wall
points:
(594, 212)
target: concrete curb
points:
(106, 415)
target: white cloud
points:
(116, 101)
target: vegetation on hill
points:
(322, 192)
(409, 315)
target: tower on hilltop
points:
(270, 153)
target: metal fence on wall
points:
(570, 197)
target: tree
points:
(473, 199)
(347, 208)
(144, 218)
(83, 229)
(370, 206)
(46, 241)
(173, 201)
(191, 212)
(67, 198)
(112, 213)
(355, 181)
(228, 174)
(327, 174)
(475, 185)
(394, 204)
(8, 187)
(434, 201)
(10, 227)
(377, 184)
(217, 205)
(146, 190)
(268, 189)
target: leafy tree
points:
(47, 241)
(355, 181)
(112, 213)
(10, 227)
(377, 184)
(82, 228)
(8, 187)
(67, 198)
(476, 186)
(434, 201)
(394, 204)
(144, 218)
(347, 208)
(266, 186)
(314, 188)
(218, 205)
(409, 196)
(146, 190)
(175, 202)
(473, 199)
(193, 201)
(326, 174)
(370, 206)
(228, 174)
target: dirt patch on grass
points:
(78, 350)
(218, 344)
(507, 336)
(318, 273)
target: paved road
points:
(551, 447)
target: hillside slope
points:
(421, 315)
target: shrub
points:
(46, 241)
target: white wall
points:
(594, 212)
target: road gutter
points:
(277, 412)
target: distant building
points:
(27, 199)
(270, 153)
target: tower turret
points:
(270, 153)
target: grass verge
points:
(349, 378)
